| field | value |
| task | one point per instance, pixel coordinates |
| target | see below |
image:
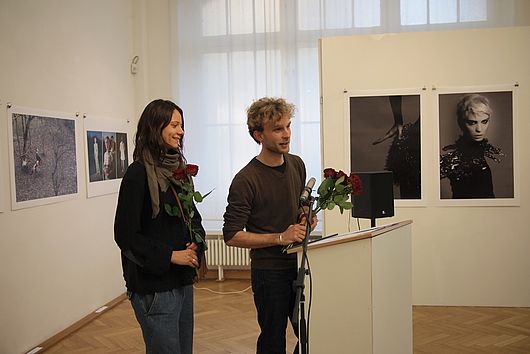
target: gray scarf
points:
(161, 174)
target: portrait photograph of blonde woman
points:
(476, 145)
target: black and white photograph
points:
(43, 155)
(107, 154)
(122, 157)
(385, 134)
(476, 145)
(95, 155)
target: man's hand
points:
(302, 218)
(294, 233)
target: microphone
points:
(307, 190)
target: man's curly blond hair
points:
(267, 109)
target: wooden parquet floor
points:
(471, 330)
(227, 324)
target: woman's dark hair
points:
(155, 117)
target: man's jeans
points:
(274, 299)
(166, 319)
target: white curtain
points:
(228, 53)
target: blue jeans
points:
(274, 300)
(166, 319)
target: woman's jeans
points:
(166, 319)
(274, 299)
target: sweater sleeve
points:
(239, 207)
(151, 255)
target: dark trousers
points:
(274, 299)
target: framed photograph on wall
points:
(107, 154)
(43, 157)
(384, 133)
(477, 146)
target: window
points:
(421, 12)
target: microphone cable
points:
(223, 292)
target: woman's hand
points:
(396, 129)
(187, 257)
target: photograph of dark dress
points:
(385, 134)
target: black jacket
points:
(147, 243)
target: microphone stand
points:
(298, 286)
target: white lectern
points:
(361, 299)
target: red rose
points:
(179, 174)
(192, 170)
(329, 172)
(356, 184)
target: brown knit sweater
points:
(264, 200)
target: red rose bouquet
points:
(186, 196)
(336, 189)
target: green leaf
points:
(173, 211)
(176, 211)
(207, 194)
(188, 195)
(324, 197)
(326, 185)
(339, 181)
(198, 197)
(339, 198)
(197, 238)
(346, 205)
(331, 205)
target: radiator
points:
(220, 255)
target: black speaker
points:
(377, 199)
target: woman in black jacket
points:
(159, 257)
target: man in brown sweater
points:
(263, 214)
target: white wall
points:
(476, 256)
(151, 35)
(59, 262)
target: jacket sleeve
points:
(151, 255)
